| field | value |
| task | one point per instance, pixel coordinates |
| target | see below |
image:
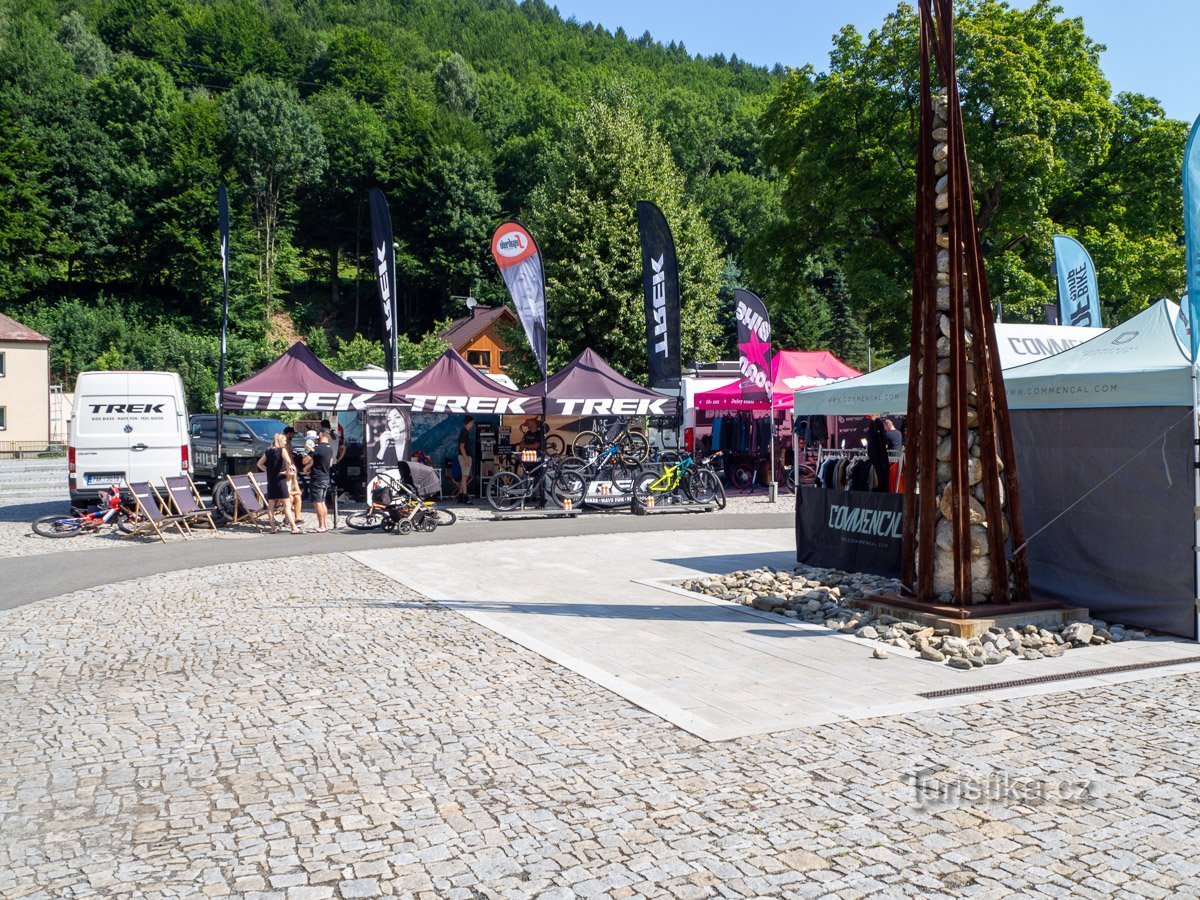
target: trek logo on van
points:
(126, 408)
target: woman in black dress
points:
(277, 463)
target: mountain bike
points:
(632, 445)
(546, 479)
(608, 468)
(695, 480)
(112, 511)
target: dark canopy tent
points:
(295, 380)
(450, 384)
(588, 386)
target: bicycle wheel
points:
(445, 517)
(365, 519)
(700, 486)
(57, 526)
(224, 501)
(587, 445)
(634, 448)
(623, 476)
(555, 446)
(567, 484)
(641, 487)
(129, 522)
(505, 491)
(741, 476)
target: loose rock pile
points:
(820, 597)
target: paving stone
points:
(307, 728)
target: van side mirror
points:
(246, 438)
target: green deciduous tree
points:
(275, 146)
(585, 217)
(1044, 136)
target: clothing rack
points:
(855, 458)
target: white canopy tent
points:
(1104, 434)
(886, 390)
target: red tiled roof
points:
(462, 331)
(12, 330)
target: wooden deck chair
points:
(250, 505)
(181, 493)
(150, 512)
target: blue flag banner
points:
(1078, 294)
(1191, 229)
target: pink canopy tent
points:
(791, 370)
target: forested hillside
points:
(118, 118)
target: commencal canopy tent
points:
(791, 371)
(295, 380)
(886, 390)
(450, 384)
(588, 386)
(1103, 439)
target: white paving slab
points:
(599, 606)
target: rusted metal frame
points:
(960, 486)
(922, 273)
(927, 521)
(998, 407)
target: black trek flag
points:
(660, 285)
(384, 256)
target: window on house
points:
(3, 371)
(480, 359)
(3, 418)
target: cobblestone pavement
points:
(310, 729)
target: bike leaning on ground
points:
(390, 502)
(112, 511)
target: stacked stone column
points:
(943, 578)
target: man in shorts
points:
(464, 459)
(320, 480)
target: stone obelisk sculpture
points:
(961, 502)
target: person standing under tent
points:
(277, 463)
(320, 478)
(464, 459)
(895, 440)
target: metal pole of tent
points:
(1196, 491)
(772, 485)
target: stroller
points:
(401, 507)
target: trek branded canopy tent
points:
(886, 390)
(791, 371)
(588, 386)
(450, 384)
(1103, 439)
(295, 380)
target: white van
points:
(126, 426)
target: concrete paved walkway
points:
(24, 579)
(591, 604)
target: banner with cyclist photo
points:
(387, 434)
(854, 531)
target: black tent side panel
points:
(1124, 552)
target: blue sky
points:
(1151, 43)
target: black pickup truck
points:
(243, 441)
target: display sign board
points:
(386, 438)
(854, 531)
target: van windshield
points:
(265, 429)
